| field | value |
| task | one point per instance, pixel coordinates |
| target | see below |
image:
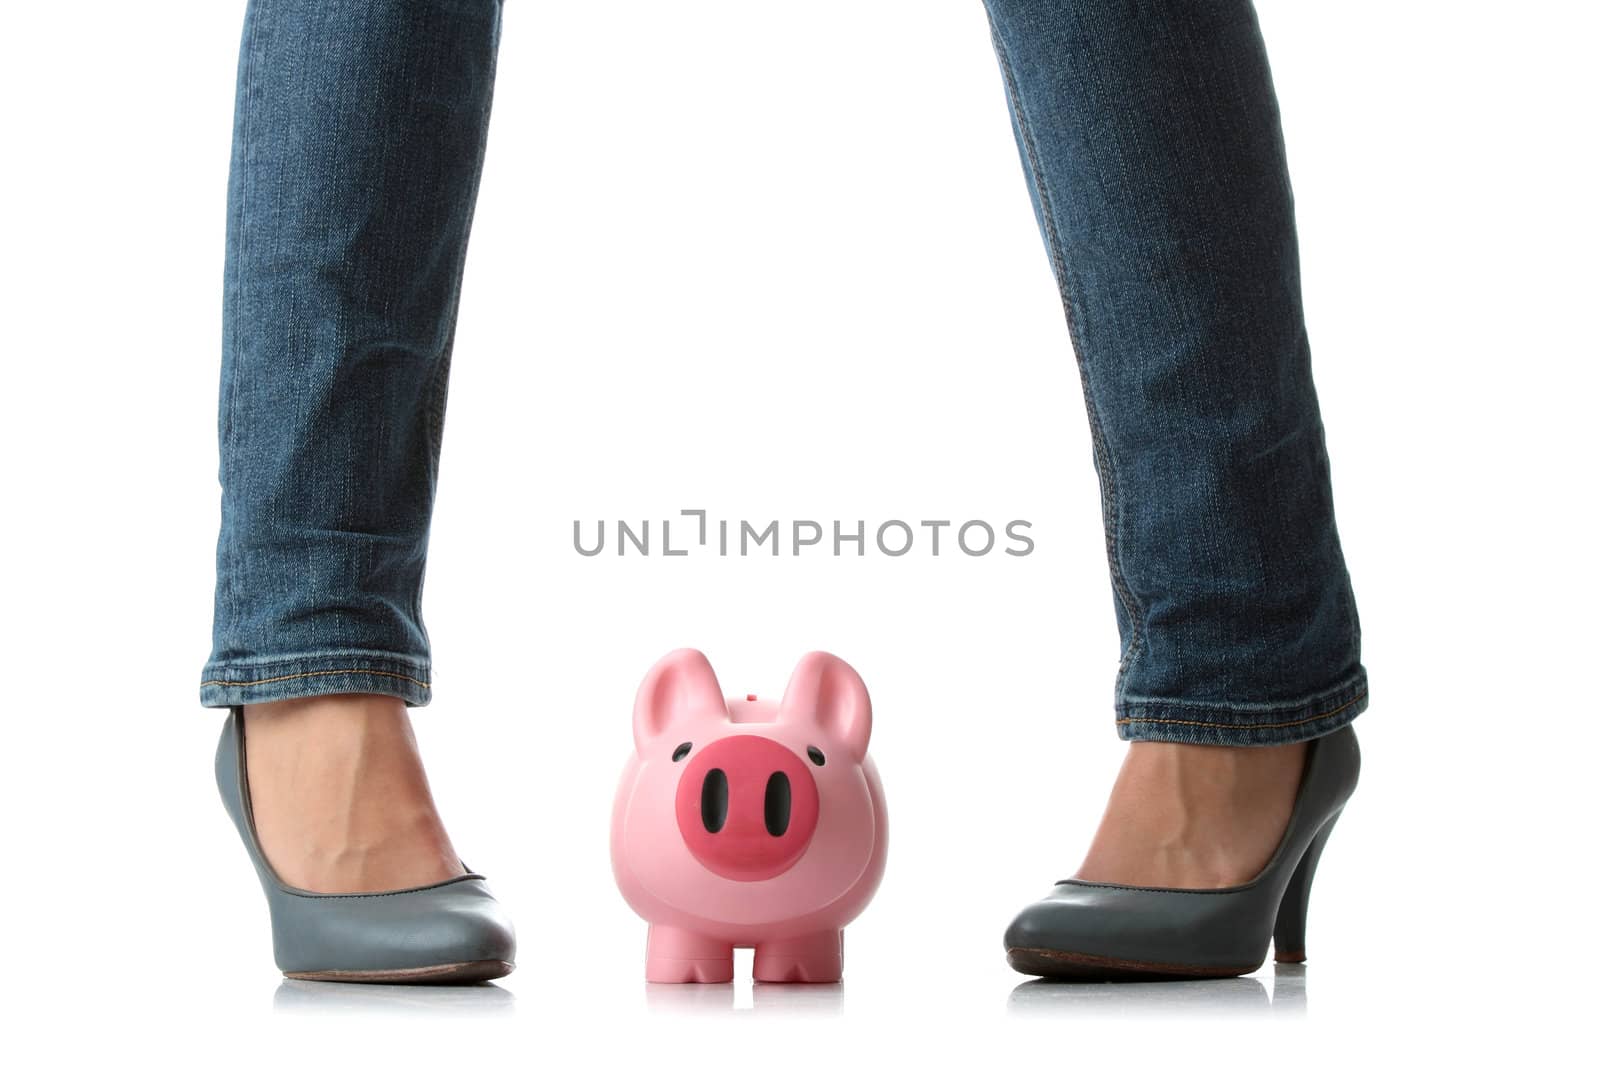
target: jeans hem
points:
(223, 686)
(1220, 724)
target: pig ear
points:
(679, 693)
(826, 690)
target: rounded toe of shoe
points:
(1041, 925)
(476, 929)
(1064, 933)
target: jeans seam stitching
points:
(313, 674)
(1103, 463)
(437, 392)
(1351, 683)
(231, 451)
(1247, 725)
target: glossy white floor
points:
(899, 353)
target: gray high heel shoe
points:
(1102, 930)
(448, 932)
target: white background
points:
(778, 261)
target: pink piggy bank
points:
(747, 823)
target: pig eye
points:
(681, 751)
(814, 754)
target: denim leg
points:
(1150, 138)
(358, 140)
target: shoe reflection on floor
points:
(1212, 996)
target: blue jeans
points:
(1151, 147)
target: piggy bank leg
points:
(811, 958)
(676, 955)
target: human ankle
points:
(341, 799)
(1194, 816)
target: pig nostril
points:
(714, 800)
(778, 804)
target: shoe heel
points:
(1289, 932)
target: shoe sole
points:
(1050, 963)
(438, 974)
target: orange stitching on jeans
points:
(1247, 726)
(313, 674)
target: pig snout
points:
(747, 808)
